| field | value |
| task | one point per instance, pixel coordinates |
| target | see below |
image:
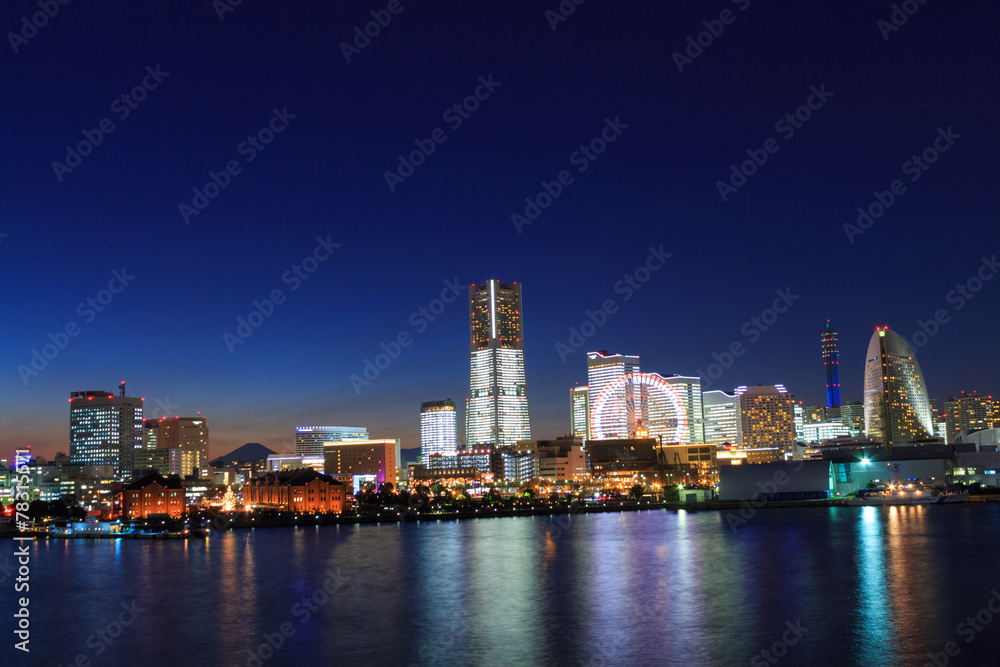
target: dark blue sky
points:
(323, 176)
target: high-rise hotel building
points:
(438, 431)
(603, 370)
(105, 429)
(895, 390)
(497, 408)
(765, 422)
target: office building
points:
(897, 408)
(816, 432)
(309, 439)
(852, 415)
(765, 418)
(171, 461)
(814, 414)
(438, 431)
(579, 412)
(800, 421)
(497, 407)
(719, 409)
(831, 356)
(486, 460)
(604, 374)
(188, 433)
(519, 467)
(377, 460)
(689, 464)
(105, 429)
(623, 457)
(558, 460)
(279, 462)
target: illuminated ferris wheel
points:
(638, 405)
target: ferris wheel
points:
(639, 405)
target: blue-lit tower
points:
(831, 361)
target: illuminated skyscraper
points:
(105, 429)
(604, 369)
(719, 409)
(895, 388)
(689, 391)
(765, 419)
(831, 359)
(309, 439)
(579, 412)
(438, 431)
(497, 408)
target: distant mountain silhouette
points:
(248, 452)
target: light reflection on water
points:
(873, 586)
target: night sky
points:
(211, 84)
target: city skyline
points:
(637, 252)
(298, 444)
